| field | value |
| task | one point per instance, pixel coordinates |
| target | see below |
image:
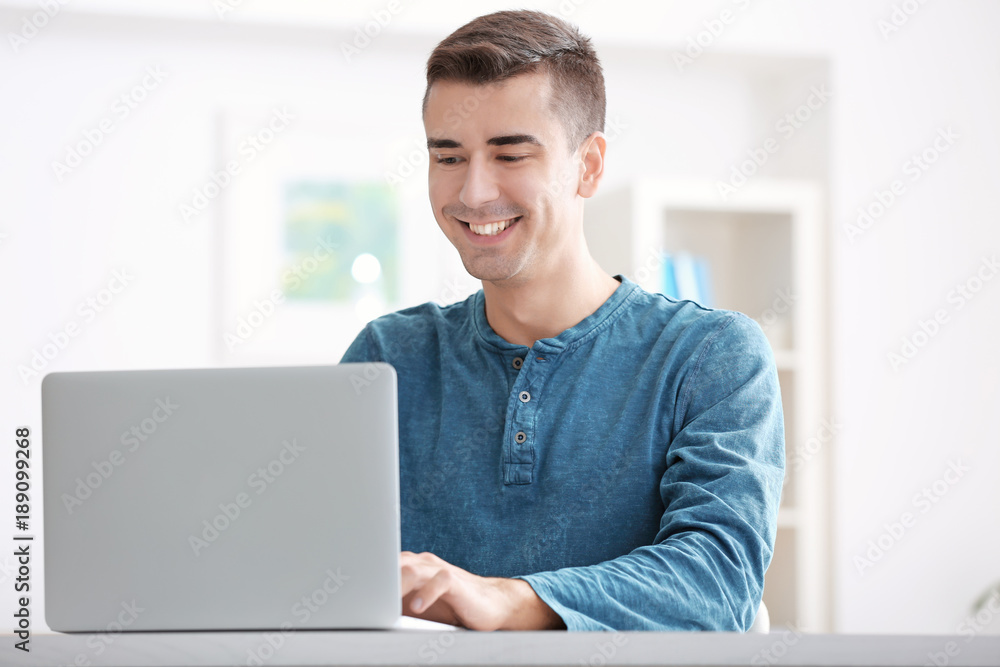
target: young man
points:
(574, 451)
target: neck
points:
(548, 303)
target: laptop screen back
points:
(215, 499)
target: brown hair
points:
(501, 45)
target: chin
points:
(494, 269)
(496, 275)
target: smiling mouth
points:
(490, 228)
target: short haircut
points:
(498, 46)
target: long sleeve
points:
(720, 492)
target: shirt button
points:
(524, 396)
(520, 437)
(517, 362)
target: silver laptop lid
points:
(214, 499)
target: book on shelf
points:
(687, 276)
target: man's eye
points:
(511, 158)
(447, 160)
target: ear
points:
(592, 157)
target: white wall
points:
(900, 428)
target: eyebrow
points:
(506, 140)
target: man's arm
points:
(721, 491)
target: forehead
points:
(473, 114)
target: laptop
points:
(222, 499)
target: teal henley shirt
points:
(629, 469)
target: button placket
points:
(519, 444)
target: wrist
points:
(525, 610)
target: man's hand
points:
(438, 591)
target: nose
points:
(480, 185)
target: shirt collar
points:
(608, 310)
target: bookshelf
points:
(763, 249)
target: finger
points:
(423, 557)
(437, 586)
(416, 569)
(411, 576)
(439, 611)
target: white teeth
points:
(491, 228)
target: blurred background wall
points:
(103, 267)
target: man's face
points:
(498, 154)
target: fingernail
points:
(417, 604)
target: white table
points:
(414, 648)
